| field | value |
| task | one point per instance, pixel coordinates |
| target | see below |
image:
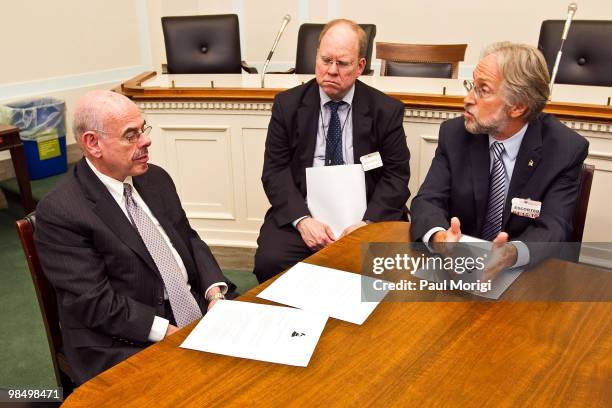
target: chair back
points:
(582, 202)
(208, 44)
(308, 41)
(420, 60)
(46, 301)
(587, 54)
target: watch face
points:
(216, 296)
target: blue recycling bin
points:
(42, 128)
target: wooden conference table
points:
(405, 354)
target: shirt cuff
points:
(295, 223)
(158, 329)
(429, 234)
(522, 257)
(222, 287)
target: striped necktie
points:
(497, 195)
(184, 306)
(333, 145)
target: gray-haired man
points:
(503, 148)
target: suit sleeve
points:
(277, 179)
(78, 272)
(430, 207)
(388, 201)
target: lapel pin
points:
(530, 164)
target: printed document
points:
(275, 334)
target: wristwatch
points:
(215, 296)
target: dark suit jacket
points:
(457, 184)
(290, 146)
(107, 285)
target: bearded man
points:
(503, 148)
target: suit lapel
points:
(526, 163)
(362, 123)
(480, 163)
(111, 214)
(307, 121)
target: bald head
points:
(95, 109)
(112, 134)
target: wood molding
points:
(133, 89)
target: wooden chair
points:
(47, 303)
(420, 60)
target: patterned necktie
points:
(497, 195)
(333, 146)
(183, 304)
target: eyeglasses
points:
(327, 61)
(133, 135)
(479, 91)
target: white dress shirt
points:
(115, 188)
(511, 149)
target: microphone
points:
(286, 21)
(571, 10)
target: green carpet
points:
(24, 351)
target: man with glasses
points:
(505, 170)
(114, 241)
(333, 119)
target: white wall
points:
(63, 48)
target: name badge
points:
(371, 161)
(525, 207)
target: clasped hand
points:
(502, 256)
(317, 235)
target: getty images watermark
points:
(415, 272)
(427, 265)
(476, 271)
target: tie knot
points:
(127, 190)
(333, 106)
(498, 149)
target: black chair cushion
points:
(419, 69)
(208, 44)
(587, 52)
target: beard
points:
(493, 126)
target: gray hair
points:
(525, 76)
(361, 35)
(85, 119)
(94, 109)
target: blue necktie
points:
(497, 195)
(333, 145)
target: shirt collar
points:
(348, 98)
(513, 143)
(115, 187)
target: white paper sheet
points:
(259, 332)
(315, 288)
(336, 195)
